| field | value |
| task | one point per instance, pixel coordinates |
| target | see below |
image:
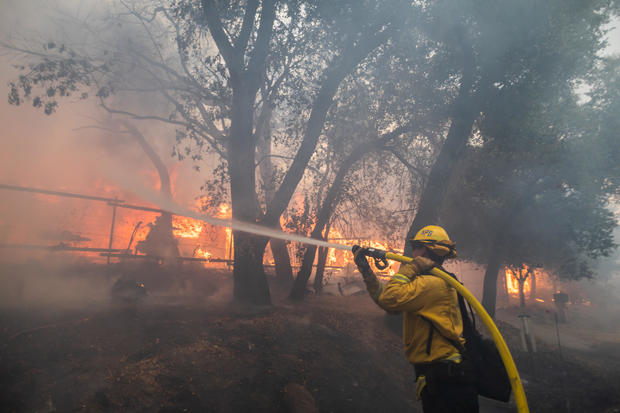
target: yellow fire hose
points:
(509, 364)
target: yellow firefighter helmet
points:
(436, 239)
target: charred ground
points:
(192, 351)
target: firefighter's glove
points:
(360, 259)
(419, 265)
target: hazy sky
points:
(614, 37)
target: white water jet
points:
(169, 205)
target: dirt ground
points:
(193, 351)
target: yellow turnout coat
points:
(422, 299)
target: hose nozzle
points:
(378, 255)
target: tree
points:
(505, 44)
(213, 87)
(599, 141)
(390, 115)
(531, 196)
(279, 250)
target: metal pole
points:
(112, 227)
(530, 337)
(57, 193)
(522, 332)
(230, 249)
(557, 334)
(59, 247)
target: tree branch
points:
(203, 94)
(177, 30)
(164, 176)
(222, 42)
(405, 162)
(288, 158)
(347, 62)
(246, 27)
(256, 65)
(141, 117)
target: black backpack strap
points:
(471, 313)
(429, 340)
(469, 322)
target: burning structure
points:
(135, 231)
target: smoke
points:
(52, 283)
(65, 152)
(61, 152)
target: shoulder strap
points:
(469, 322)
(429, 340)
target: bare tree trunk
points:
(521, 292)
(532, 285)
(299, 287)
(489, 290)
(496, 261)
(250, 281)
(320, 265)
(320, 270)
(281, 258)
(298, 292)
(522, 280)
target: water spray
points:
(173, 208)
(168, 205)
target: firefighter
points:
(432, 324)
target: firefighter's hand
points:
(360, 259)
(419, 265)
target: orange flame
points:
(201, 253)
(512, 282)
(223, 211)
(186, 227)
